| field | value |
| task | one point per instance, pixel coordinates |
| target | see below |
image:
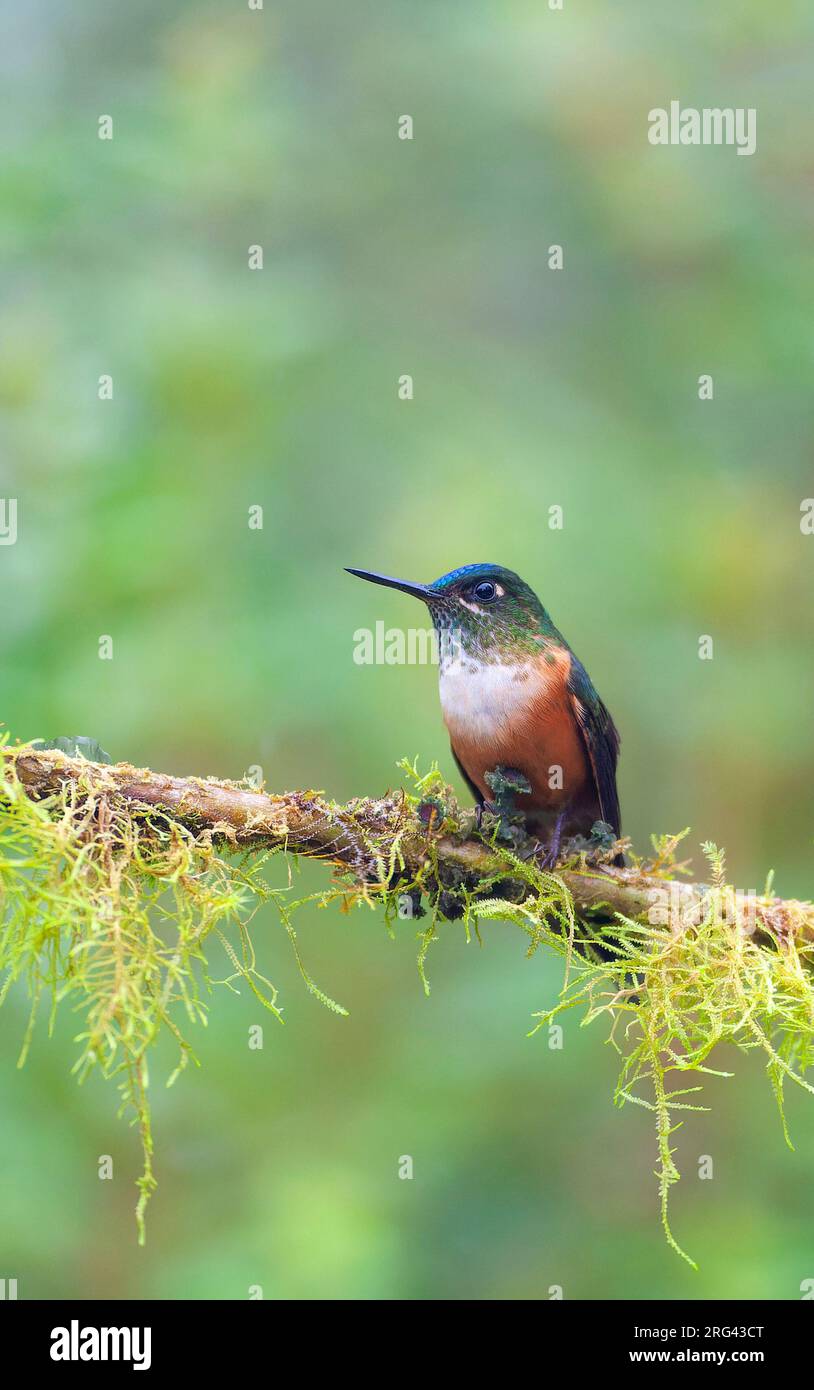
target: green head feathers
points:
(489, 609)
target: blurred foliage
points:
(233, 647)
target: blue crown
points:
(454, 575)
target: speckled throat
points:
(467, 632)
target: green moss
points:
(109, 909)
(672, 994)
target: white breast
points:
(479, 699)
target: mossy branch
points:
(113, 879)
(306, 823)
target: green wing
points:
(601, 740)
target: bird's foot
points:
(552, 851)
(487, 808)
(500, 825)
(505, 784)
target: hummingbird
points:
(518, 704)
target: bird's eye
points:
(485, 591)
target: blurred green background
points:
(233, 647)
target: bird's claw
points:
(481, 810)
(549, 857)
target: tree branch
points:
(306, 823)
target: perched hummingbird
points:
(516, 700)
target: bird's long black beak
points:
(422, 591)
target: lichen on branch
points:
(115, 880)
